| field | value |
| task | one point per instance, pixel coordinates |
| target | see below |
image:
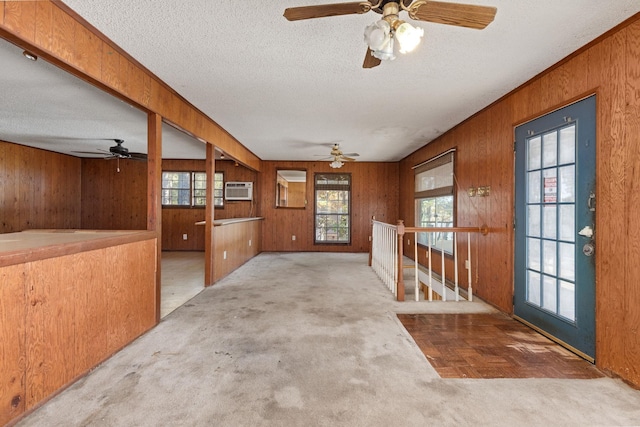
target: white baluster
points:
(430, 270)
(415, 257)
(455, 265)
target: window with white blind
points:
(435, 199)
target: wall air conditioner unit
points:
(238, 190)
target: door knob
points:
(588, 249)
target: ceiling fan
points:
(118, 151)
(338, 157)
(380, 35)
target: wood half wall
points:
(610, 68)
(63, 315)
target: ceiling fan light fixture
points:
(408, 37)
(336, 164)
(377, 35)
(386, 52)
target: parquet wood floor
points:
(491, 346)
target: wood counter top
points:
(33, 245)
(219, 222)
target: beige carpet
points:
(310, 339)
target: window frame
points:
(193, 196)
(332, 187)
(440, 190)
(221, 190)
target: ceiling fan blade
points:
(347, 159)
(324, 10)
(96, 154)
(462, 15)
(351, 154)
(370, 61)
(138, 156)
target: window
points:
(190, 189)
(199, 189)
(333, 216)
(435, 199)
(218, 190)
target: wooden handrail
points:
(400, 230)
(484, 230)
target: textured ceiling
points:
(288, 90)
(45, 107)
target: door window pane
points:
(534, 187)
(533, 254)
(566, 255)
(533, 287)
(549, 257)
(568, 145)
(550, 149)
(567, 184)
(549, 295)
(550, 226)
(567, 300)
(567, 222)
(550, 178)
(534, 153)
(533, 220)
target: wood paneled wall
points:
(113, 200)
(240, 241)
(176, 222)
(56, 33)
(610, 68)
(234, 208)
(62, 316)
(374, 192)
(179, 221)
(38, 189)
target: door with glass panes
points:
(555, 217)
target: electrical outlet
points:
(293, 237)
(224, 255)
(466, 264)
(249, 242)
(184, 236)
(408, 241)
(370, 238)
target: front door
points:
(555, 216)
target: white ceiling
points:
(288, 90)
(45, 107)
